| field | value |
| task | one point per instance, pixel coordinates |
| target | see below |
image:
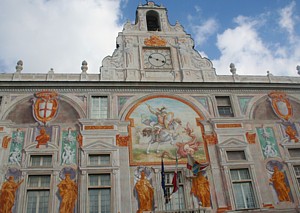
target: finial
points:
(232, 68)
(298, 69)
(51, 71)
(19, 66)
(84, 66)
(269, 73)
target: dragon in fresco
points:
(189, 147)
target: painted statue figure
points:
(145, 194)
(7, 195)
(15, 156)
(43, 138)
(291, 133)
(68, 154)
(200, 189)
(68, 192)
(280, 186)
(269, 149)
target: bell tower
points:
(152, 49)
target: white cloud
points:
(203, 31)
(287, 21)
(57, 33)
(244, 47)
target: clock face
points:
(157, 58)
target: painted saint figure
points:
(68, 192)
(43, 138)
(7, 195)
(280, 186)
(291, 133)
(200, 189)
(145, 194)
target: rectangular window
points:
(99, 107)
(99, 192)
(38, 191)
(99, 159)
(177, 201)
(242, 189)
(224, 106)
(236, 155)
(297, 172)
(41, 160)
(295, 152)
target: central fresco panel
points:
(165, 126)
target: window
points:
(99, 107)
(38, 191)
(177, 201)
(242, 189)
(41, 160)
(99, 159)
(294, 153)
(297, 172)
(99, 192)
(224, 106)
(153, 21)
(236, 155)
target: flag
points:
(163, 181)
(194, 166)
(175, 178)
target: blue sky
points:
(256, 35)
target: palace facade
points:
(96, 142)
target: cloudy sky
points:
(257, 36)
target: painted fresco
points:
(278, 181)
(68, 155)
(165, 126)
(243, 102)
(15, 155)
(268, 142)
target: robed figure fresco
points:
(200, 189)
(7, 195)
(68, 191)
(278, 180)
(145, 194)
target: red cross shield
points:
(45, 106)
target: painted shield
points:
(45, 106)
(281, 105)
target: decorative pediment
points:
(51, 147)
(99, 145)
(233, 143)
(155, 41)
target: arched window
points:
(153, 21)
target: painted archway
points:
(165, 125)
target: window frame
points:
(91, 114)
(251, 181)
(88, 187)
(41, 166)
(297, 177)
(236, 150)
(99, 154)
(39, 189)
(170, 186)
(229, 105)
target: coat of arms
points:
(281, 105)
(45, 106)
